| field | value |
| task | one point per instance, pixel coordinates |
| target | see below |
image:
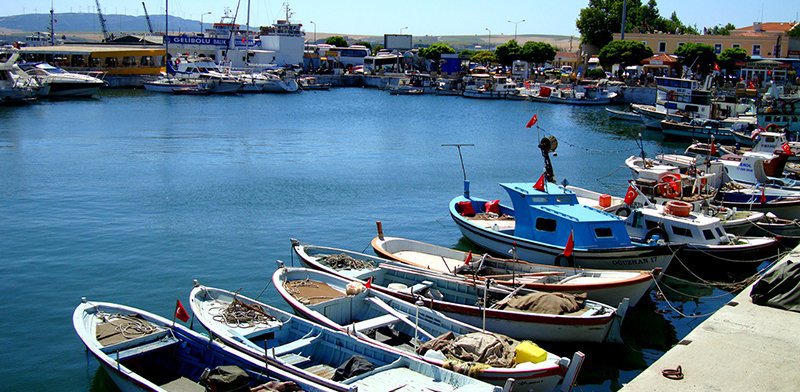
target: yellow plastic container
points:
(528, 351)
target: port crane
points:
(147, 17)
(103, 26)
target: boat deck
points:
(429, 261)
(312, 292)
(742, 347)
(501, 223)
(401, 379)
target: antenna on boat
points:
(548, 145)
(640, 144)
(417, 304)
(461, 158)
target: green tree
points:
(596, 73)
(377, 48)
(466, 54)
(699, 57)
(729, 57)
(483, 57)
(508, 52)
(435, 51)
(337, 41)
(364, 43)
(795, 31)
(602, 18)
(537, 52)
(624, 53)
(720, 30)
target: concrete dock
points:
(742, 347)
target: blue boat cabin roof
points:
(550, 216)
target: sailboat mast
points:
(247, 37)
(52, 25)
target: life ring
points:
(623, 211)
(678, 208)
(656, 231)
(669, 185)
(772, 127)
(671, 95)
(565, 261)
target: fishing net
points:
(241, 315)
(342, 261)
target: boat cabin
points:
(551, 216)
(693, 228)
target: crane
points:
(147, 17)
(103, 27)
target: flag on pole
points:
(532, 121)
(539, 185)
(716, 67)
(570, 245)
(468, 259)
(713, 149)
(630, 195)
(764, 195)
(180, 312)
(369, 283)
(786, 148)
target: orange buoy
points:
(678, 208)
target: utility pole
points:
(624, 17)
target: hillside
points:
(86, 26)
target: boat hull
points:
(610, 287)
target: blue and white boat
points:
(141, 351)
(314, 352)
(538, 226)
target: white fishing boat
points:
(485, 86)
(582, 321)
(624, 115)
(141, 351)
(605, 286)
(424, 333)
(335, 359)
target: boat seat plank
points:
(375, 322)
(322, 370)
(183, 384)
(296, 345)
(415, 289)
(293, 359)
(138, 350)
(391, 311)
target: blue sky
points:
(431, 17)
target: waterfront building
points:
(765, 40)
(119, 65)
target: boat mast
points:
(546, 145)
(52, 25)
(247, 37)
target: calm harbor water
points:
(128, 197)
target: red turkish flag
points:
(570, 245)
(468, 259)
(786, 149)
(763, 195)
(369, 283)
(630, 195)
(539, 185)
(180, 312)
(713, 148)
(532, 121)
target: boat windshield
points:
(50, 69)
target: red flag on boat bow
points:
(570, 245)
(532, 121)
(180, 312)
(764, 195)
(713, 149)
(630, 195)
(468, 259)
(369, 283)
(786, 148)
(539, 185)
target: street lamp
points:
(403, 28)
(201, 19)
(515, 27)
(490, 36)
(315, 31)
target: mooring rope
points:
(130, 326)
